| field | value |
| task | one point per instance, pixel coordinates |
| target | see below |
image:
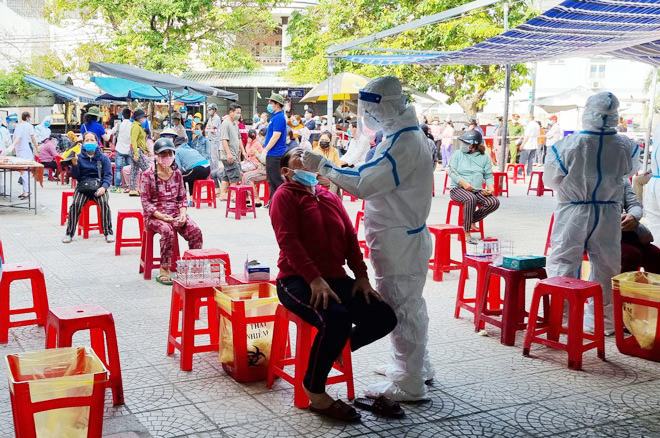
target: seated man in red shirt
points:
(316, 237)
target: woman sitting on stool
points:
(165, 204)
(469, 168)
(312, 282)
(93, 171)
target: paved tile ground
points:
(482, 388)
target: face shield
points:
(375, 109)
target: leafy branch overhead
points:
(335, 21)
(161, 35)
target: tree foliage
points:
(335, 21)
(12, 83)
(161, 35)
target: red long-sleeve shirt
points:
(315, 234)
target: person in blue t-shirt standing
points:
(275, 142)
(92, 125)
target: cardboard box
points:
(520, 263)
(257, 271)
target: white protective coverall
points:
(652, 190)
(41, 131)
(587, 171)
(396, 184)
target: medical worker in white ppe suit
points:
(587, 170)
(652, 189)
(396, 183)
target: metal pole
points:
(507, 90)
(329, 108)
(532, 96)
(654, 83)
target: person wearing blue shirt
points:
(192, 164)
(92, 125)
(199, 142)
(310, 124)
(275, 142)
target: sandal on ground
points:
(338, 411)
(133, 193)
(381, 406)
(164, 279)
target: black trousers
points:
(194, 174)
(273, 174)
(335, 324)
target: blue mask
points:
(497, 125)
(305, 177)
(348, 131)
(196, 119)
(270, 108)
(198, 132)
(89, 147)
(255, 119)
(46, 124)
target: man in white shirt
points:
(357, 148)
(554, 134)
(23, 135)
(527, 149)
(122, 147)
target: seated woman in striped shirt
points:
(469, 168)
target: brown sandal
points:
(338, 411)
(382, 406)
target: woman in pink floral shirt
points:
(165, 203)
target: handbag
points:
(89, 186)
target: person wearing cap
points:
(178, 125)
(139, 150)
(122, 147)
(275, 142)
(469, 168)
(213, 125)
(92, 124)
(553, 134)
(477, 128)
(192, 164)
(12, 120)
(165, 206)
(514, 131)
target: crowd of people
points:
(389, 161)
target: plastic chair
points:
(128, 242)
(304, 339)
(22, 271)
(240, 208)
(441, 261)
(452, 204)
(539, 189)
(576, 292)
(516, 168)
(63, 322)
(64, 209)
(209, 199)
(147, 260)
(84, 223)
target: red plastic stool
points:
(266, 196)
(63, 322)
(516, 168)
(184, 299)
(441, 261)
(64, 212)
(452, 204)
(304, 338)
(359, 218)
(576, 292)
(240, 209)
(74, 183)
(60, 177)
(512, 310)
(197, 198)
(121, 241)
(501, 183)
(207, 253)
(548, 242)
(22, 271)
(481, 265)
(540, 187)
(147, 260)
(446, 187)
(84, 224)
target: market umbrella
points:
(121, 89)
(168, 82)
(568, 100)
(345, 86)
